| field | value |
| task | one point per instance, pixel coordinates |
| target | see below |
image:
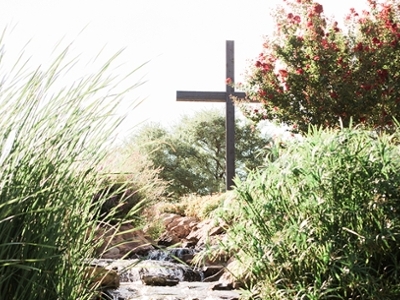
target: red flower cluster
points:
(325, 66)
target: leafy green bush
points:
(192, 155)
(52, 138)
(322, 221)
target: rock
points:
(222, 287)
(102, 277)
(202, 232)
(169, 270)
(234, 274)
(168, 239)
(177, 225)
(123, 242)
(119, 201)
(212, 273)
(177, 228)
(155, 280)
(184, 290)
(172, 254)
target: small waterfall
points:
(173, 255)
(168, 263)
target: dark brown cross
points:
(230, 110)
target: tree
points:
(192, 153)
(313, 72)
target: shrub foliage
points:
(324, 219)
(314, 71)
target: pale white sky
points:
(183, 39)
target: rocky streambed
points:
(153, 279)
(162, 270)
(184, 290)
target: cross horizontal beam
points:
(206, 96)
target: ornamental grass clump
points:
(323, 219)
(51, 139)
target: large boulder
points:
(178, 225)
(117, 201)
(234, 275)
(177, 228)
(102, 278)
(122, 242)
(205, 232)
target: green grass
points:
(322, 221)
(53, 138)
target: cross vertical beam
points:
(230, 116)
(230, 110)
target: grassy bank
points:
(322, 220)
(53, 137)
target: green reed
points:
(322, 221)
(52, 138)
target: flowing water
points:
(165, 264)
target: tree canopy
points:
(192, 153)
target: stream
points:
(162, 275)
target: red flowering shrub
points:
(313, 72)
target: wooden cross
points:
(230, 110)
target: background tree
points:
(313, 72)
(192, 154)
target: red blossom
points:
(359, 47)
(316, 58)
(366, 87)
(283, 73)
(262, 93)
(297, 19)
(353, 12)
(375, 40)
(228, 81)
(333, 95)
(290, 16)
(266, 67)
(383, 74)
(372, 3)
(365, 13)
(318, 8)
(299, 71)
